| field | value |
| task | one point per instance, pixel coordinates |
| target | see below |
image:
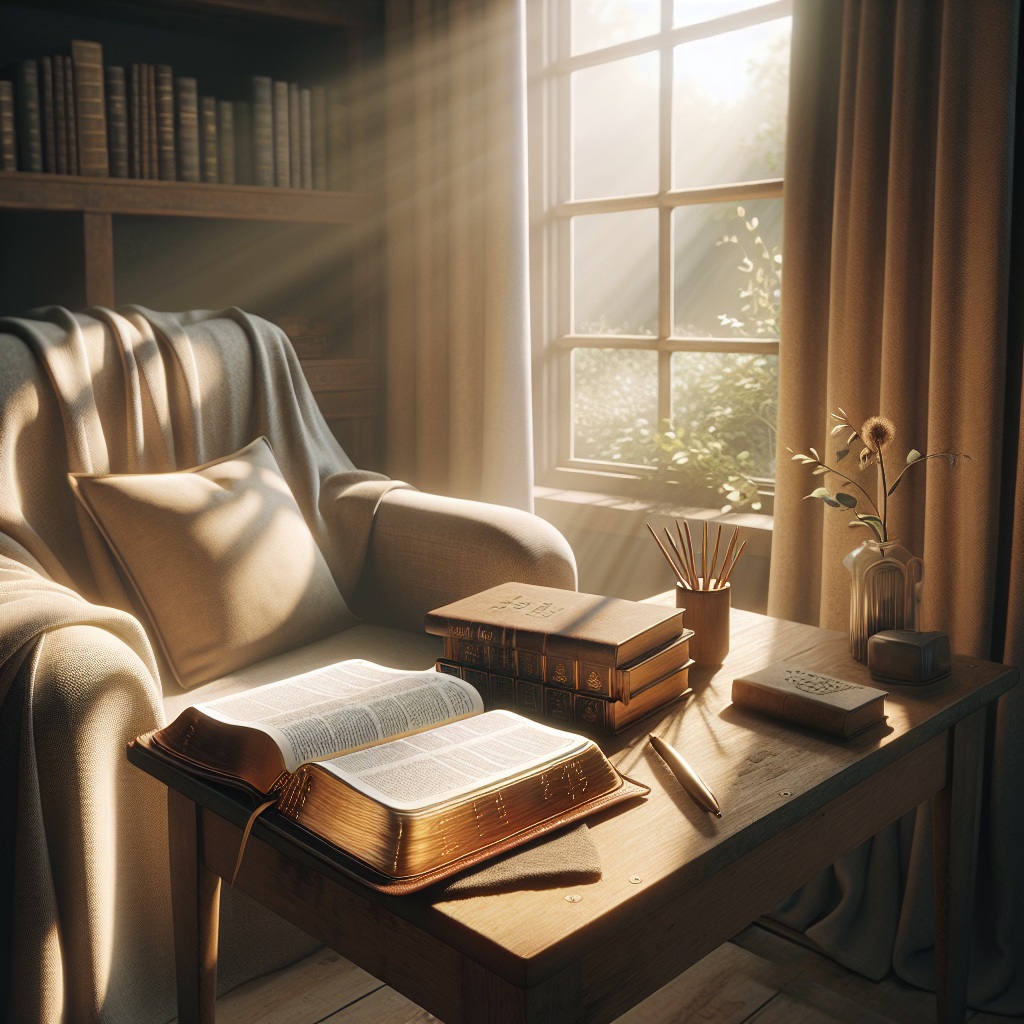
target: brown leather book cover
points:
(166, 155)
(560, 624)
(90, 109)
(823, 702)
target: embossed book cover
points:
(563, 625)
(811, 698)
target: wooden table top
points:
(766, 774)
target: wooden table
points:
(676, 881)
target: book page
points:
(446, 763)
(346, 706)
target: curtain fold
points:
(900, 197)
(458, 375)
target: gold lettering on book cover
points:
(811, 682)
(461, 632)
(560, 676)
(594, 681)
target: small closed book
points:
(402, 771)
(786, 690)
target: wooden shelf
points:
(21, 190)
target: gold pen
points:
(688, 778)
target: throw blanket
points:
(126, 392)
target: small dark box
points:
(902, 656)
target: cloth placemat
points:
(563, 858)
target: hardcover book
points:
(282, 142)
(60, 114)
(595, 680)
(117, 121)
(562, 625)
(136, 124)
(90, 109)
(244, 171)
(786, 690)
(208, 139)
(226, 142)
(8, 142)
(154, 142)
(188, 130)
(30, 133)
(166, 151)
(294, 137)
(49, 127)
(595, 714)
(263, 131)
(70, 115)
(402, 770)
(306, 136)
(318, 113)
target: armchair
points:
(85, 877)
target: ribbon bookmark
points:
(245, 835)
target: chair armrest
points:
(426, 551)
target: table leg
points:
(195, 905)
(956, 814)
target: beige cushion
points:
(222, 562)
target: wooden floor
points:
(759, 976)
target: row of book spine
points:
(72, 115)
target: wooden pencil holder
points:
(706, 612)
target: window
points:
(657, 130)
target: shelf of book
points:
(24, 190)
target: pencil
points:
(668, 557)
(689, 555)
(728, 572)
(704, 558)
(714, 557)
(679, 557)
(732, 543)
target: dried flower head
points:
(877, 433)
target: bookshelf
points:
(283, 253)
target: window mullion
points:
(665, 296)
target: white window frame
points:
(550, 64)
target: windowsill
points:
(616, 514)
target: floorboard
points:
(760, 977)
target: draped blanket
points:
(85, 880)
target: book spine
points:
(306, 137)
(166, 156)
(135, 122)
(208, 139)
(60, 114)
(154, 145)
(49, 125)
(91, 109)
(144, 120)
(188, 129)
(30, 139)
(70, 115)
(294, 137)
(318, 116)
(8, 140)
(243, 144)
(282, 146)
(117, 122)
(226, 142)
(337, 139)
(262, 131)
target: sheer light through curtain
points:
(903, 228)
(458, 339)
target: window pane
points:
(729, 106)
(728, 269)
(615, 393)
(724, 409)
(600, 23)
(615, 273)
(615, 128)
(692, 12)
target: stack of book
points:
(71, 115)
(599, 663)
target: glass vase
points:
(885, 591)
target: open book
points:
(402, 770)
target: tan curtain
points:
(458, 373)
(899, 258)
